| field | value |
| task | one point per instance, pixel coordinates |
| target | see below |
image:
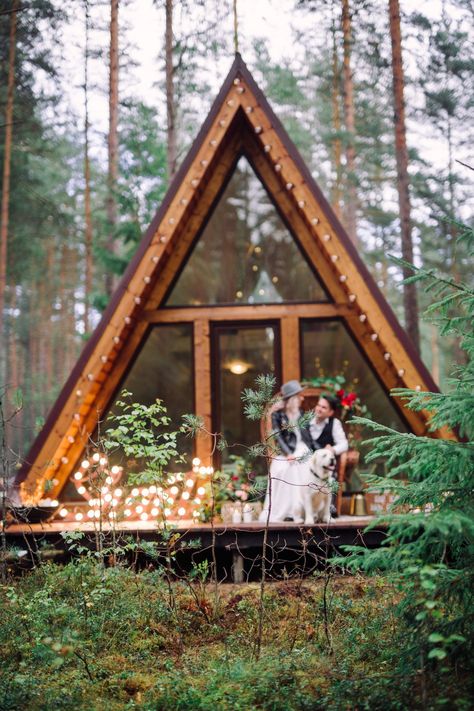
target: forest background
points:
(100, 101)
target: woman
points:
(295, 445)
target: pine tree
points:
(429, 548)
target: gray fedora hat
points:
(292, 387)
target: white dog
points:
(314, 489)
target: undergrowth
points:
(85, 637)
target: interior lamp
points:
(238, 367)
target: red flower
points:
(340, 393)
(349, 400)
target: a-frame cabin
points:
(244, 269)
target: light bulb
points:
(78, 476)
(201, 491)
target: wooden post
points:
(290, 348)
(202, 388)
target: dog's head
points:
(323, 463)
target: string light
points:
(249, 109)
(362, 318)
(387, 356)
(315, 221)
(343, 278)
(301, 203)
(352, 298)
(267, 148)
(401, 372)
(374, 336)
(258, 129)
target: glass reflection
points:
(244, 353)
(245, 240)
(328, 350)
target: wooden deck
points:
(238, 547)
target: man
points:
(327, 431)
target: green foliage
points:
(143, 433)
(88, 638)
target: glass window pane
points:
(243, 353)
(163, 369)
(246, 240)
(328, 350)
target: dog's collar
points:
(317, 475)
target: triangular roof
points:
(240, 120)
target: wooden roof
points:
(240, 122)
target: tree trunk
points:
(410, 300)
(87, 189)
(351, 204)
(113, 137)
(336, 123)
(170, 104)
(6, 180)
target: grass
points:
(87, 638)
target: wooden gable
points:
(240, 123)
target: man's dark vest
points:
(326, 435)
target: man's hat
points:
(292, 387)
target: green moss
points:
(86, 638)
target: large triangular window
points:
(245, 254)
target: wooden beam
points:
(260, 312)
(202, 388)
(290, 348)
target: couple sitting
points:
(296, 442)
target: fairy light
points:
(201, 491)
(115, 469)
(362, 318)
(127, 320)
(185, 495)
(181, 511)
(81, 490)
(78, 476)
(315, 221)
(277, 168)
(334, 258)
(118, 493)
(137, 300)
(71, 439)
(343, 278)
(127, 513)
(154, 511)
(90, 513)
(104, 489)
(79, 517)
(134, 492)
(167, 512)
(267, 148)
(373, 336)
(139, 509)
(63, 513)
(96, 456)
(301, 203)
(174, 490)
(189, 483)
(196, 462)
(104, 358)
(387, 356)
(418, 388)
(289, 186)
(249, 109)
(78, 393)
(401, 372)
(116, 340)
(145, 492)
(326, 238)
(171, 479)
(197, 500)
(352, 298)
(152, 489)
(144, 516)
(64, 460)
